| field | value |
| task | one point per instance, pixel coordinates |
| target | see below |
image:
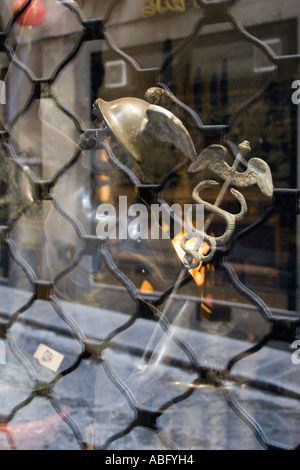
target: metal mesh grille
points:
(44, 299)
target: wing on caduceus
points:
(212, 158)
(257, 172)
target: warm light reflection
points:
(199, 272)
(104, 183)
(105, 189)
(146, 287)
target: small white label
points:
(48, 357)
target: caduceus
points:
(214, 159)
